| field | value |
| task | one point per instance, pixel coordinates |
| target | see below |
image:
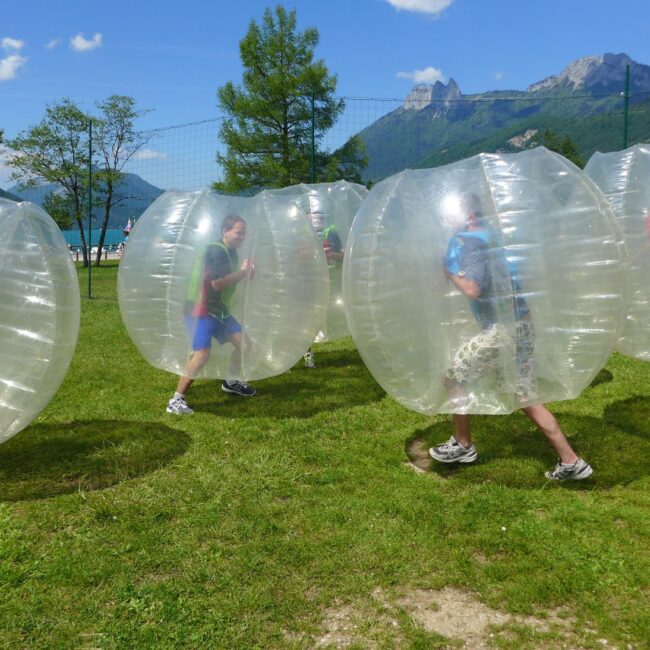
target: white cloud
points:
(10, 65)
(53, 43)
(81, 44)
(431, 7)
(427, 76)
(149, 154)
(499, 75)
(12, 44)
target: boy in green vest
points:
(207, 311)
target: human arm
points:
(246, 272)
(465, 266)
(467, 287)
(332, 255)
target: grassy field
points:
(294, 519)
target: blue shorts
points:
(203, 328)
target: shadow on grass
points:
(340, 381)
(603, 377)
(513, 453)
(46, 460)
(631, 415)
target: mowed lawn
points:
(295, 520)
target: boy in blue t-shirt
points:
(490, 286)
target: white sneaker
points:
(310, 362)
(178, 406)
(575, 472)
(453, 452)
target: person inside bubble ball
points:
(489, 283)
(207, 311)
(333, 249)
(331, 241)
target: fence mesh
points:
(184, 156)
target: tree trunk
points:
(84, 248)
(107, 214)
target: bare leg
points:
(549, 426)
(461, 421)
(235, 359)
(198, 359)
(462, 428)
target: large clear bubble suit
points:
(330, 208)
(39, 313)
(280, 309)
(551, 228)
(624, 177)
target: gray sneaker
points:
(310, 361)
(575, 472)
(178, 407)
(453, 452)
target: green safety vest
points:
(197, 290)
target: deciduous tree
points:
(115, 142)
(56, 151)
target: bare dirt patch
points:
(457, 615)
(451, 613)
(417, 453)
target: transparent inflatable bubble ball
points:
(39, 313)
(486, 285)
(330, 208)
(624, 178)
(238, 280)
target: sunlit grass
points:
(241, 526)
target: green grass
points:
(244, 525)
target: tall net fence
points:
(184, 156)
(402, 134)
(181, 157)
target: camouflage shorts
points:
(485, 352)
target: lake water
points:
(114, 237)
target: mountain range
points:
(138, 193)
(437, 124)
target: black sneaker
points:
(575, 472)
(238, 388)
(453, 452)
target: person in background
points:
(484, 280)
(207, 311)
(333, 250)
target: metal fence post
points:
(312, 172)
(626, 104)
(90, 206)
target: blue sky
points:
(172, 56)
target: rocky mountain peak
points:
(601, 74)
(424, 95)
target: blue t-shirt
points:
(470, 255)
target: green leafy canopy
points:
(285, 93)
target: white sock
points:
(178, 395)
